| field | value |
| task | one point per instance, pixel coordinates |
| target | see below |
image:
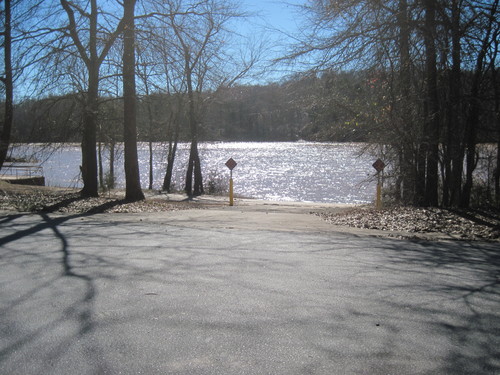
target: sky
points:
(274, 20)
(278, 13)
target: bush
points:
(217, 183)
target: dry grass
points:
(470, 225)
(51, 199)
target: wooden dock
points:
(22, 174)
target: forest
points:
(417, 79)
(316, 108)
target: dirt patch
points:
(51, 199)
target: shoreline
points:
(210, 211)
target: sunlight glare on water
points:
(315, 172)
(299, 171)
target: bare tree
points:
(416, 47)
(143, 71)
(196, 38)
(7, 80)
(194, 35)
(133, 190)
(88, 50)
(496, 93)
(490, 27)
(428, 165)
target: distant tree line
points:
(326, 107)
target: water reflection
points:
(301, 171)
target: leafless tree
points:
(133, 190)
(7, 80)
(430, 103)
(196, 37)
(92, 44)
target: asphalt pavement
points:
(240, 290)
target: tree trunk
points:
(194, 165)
(89, 142)
(133, 190)
(89, 55)
(474, 109)
(198, 178)
(496, 85)
(454, 159)
(188, 188)
(89, 154)
(405, 150)
(167, 181)
(111, 178)
(172, 150)
(432, 107)
(496, 92)
(194, 168)
(9, 87)
(497, 170)
(100, 166)
(420, 174)
(471, 132)
(150, 135)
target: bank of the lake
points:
(399, 222)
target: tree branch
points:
(111, 40)
(73, 33)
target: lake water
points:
(299, 171)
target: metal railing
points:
(21, 170)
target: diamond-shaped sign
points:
(379, 165)
(231, 164)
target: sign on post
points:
(231, 164)
(379, 166)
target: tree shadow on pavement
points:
(57, 276)
(457, 298)
(341, 301)
(404, 306)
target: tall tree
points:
(7, 80)
(161, 69)
(88, 51)
(133, 190)
(496, 94)
(404, 113)
(453, 156)
(201, 49)
(430, 146)
(192, 47)
(198, 32)
(442, 42)
(491, 22)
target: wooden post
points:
(231, 164)
(378, 203)
(231, 199)
(379, 166)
